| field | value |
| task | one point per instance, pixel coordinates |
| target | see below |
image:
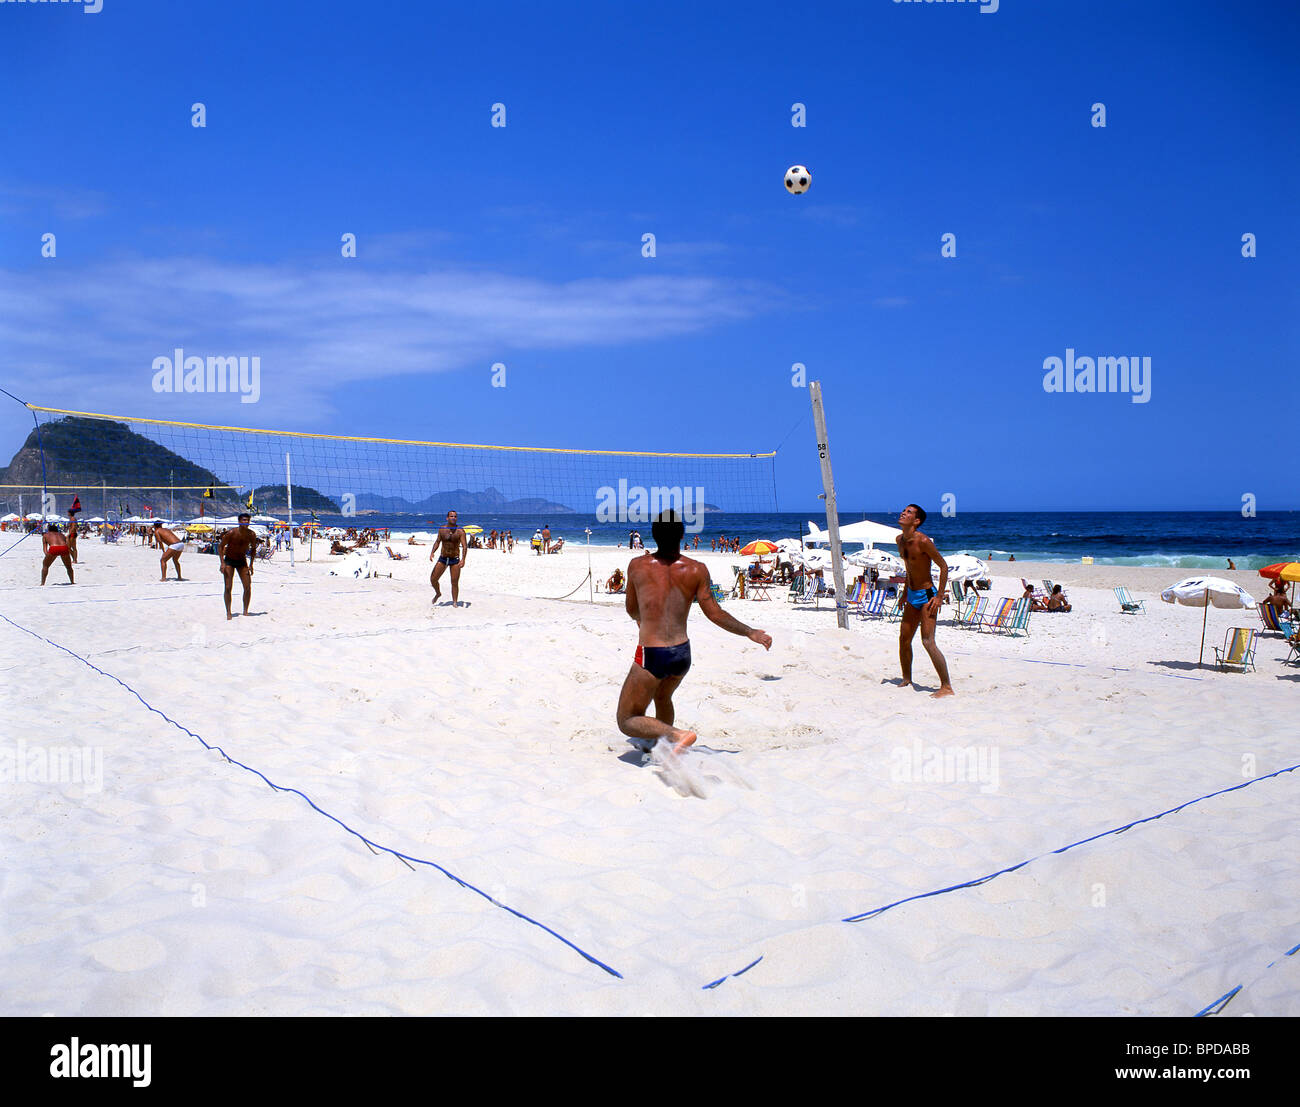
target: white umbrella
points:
(1204, 591)
(881, 560)
(814, 559)
(789, 545)
(264, 519)
(96, 519)
(966, 567)
(34, 515)
(12, 517)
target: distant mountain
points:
(89, 453)
(489, 501)
(271, 497)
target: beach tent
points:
(265, 519)
(1204, 591)
(864, 533)
(96, 519)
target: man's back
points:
(662, 594)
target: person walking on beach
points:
(660, 589)
(452, 549)
(922, 604)
(172, 548)
(546, 538)
(55, 544)
(236, 553)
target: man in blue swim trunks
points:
(660, 589)
(923, 599)
(451, 548)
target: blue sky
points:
(522, 244)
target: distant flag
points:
(250, 501)
(147, 509)
(76, 505)
(208, 494)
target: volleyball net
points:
(124, 465)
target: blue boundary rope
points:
(1064, 849)
(729, 975)
(374, 846)
(1223, 1000)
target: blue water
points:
(1183, 539)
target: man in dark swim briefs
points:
(923, 599)
(660, 589)
(56, 545)
(452, 550)
(235, 554)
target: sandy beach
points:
(482, 738)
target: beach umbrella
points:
(96, 519)
(759, 548)
(198, 528)
(265, 519)
(1283, 570)
(310, 526)
(34, 515)
(1204, 591)
(12, 517)
(473, 528)
(965, 567)
(881, 560)
(814, 559)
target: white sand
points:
(483, 738)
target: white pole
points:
(288, 489)
(591, 584)
(832, 515)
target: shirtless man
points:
(55, 544)
(660, 588)
(922, 606)
(172, 548)
(236, 553)
(452, 550)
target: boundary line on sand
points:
(1064, 849)
(1223, 1000)
(374, 847)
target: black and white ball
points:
(797, 179)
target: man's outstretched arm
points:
(714, 613)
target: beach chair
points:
(1293, 640)
(974, 610)
(1019, 619)
(996, 617)
(894, 613)
(1238, 649)
(873, 604)
(1127, 604)
(1269, 617)
(718, 592)
(395, 556)
(1047, 587)
(798, 588)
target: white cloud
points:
(86, 338)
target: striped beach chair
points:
(1238, 649)
(874, 605)
(1019, 619)
(1269, 617)
(1127, 604)
(996, 617)
(894, 613)
(974, 610)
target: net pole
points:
(103, 503)
(591, 584)
(288, 489)
(832, 513)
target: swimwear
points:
(449, 560)
(919, 597)
(664, 661)
(177, 546)
(237, 562)
(59, 549)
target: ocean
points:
(1180, 539)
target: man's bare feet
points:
(229, 616)
(946, 690)
(684, 739)
(905, 684)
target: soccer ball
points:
(797, 179)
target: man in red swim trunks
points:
(55, 544)
(660, 589)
